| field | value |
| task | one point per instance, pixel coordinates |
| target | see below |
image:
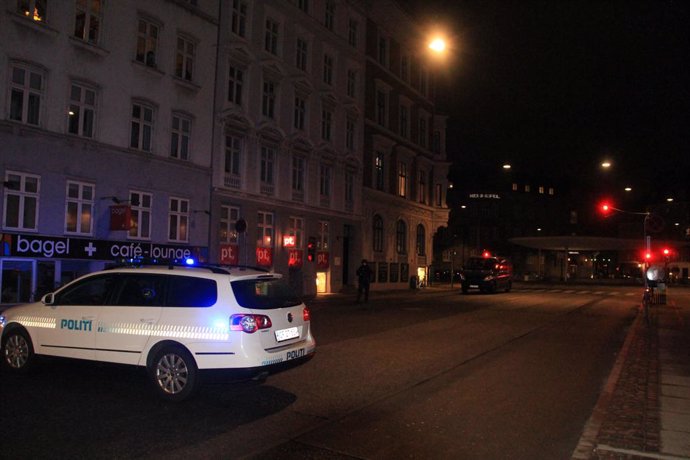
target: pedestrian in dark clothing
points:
(364, 279)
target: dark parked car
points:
(488, 274)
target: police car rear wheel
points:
(17, 350)
(174, 374)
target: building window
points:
(383, 51)
(352, 33)
(421, 240)
(238, 24)
(271, 36)
(79, 208)
(298, 171)
(21, 201)
(405, 67)
(404, 121)
(436, 148)
(296, 228)
(438, 196)
(402, 179)
(401, 237)
(541, 190)
(142, 127)
(140, 228)
(328, 69)
(350, 134)
(184, 60)
(325, 183)
(268, 156)
(33, 9)
(326, 120)
(303, 5)
(178, 220)
(528, 188)
(82, 110)
(181, 133)
(424, 81)
(235, 81)
(301, 54)
(329, 17)
(300, 112)
(265, 229)
(381, 107)
(349, 190)
(551, 191)
(377, 234)
(87, 22)
(423, 133)
(324, 235)
(351, 83)
(268, 102)
(379, 169)
(421, 187)
(233, 158)
(147, 43)
(229, 215)
(26, 94)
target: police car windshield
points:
(264, 294)
(479, 263)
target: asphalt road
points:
(419, 375)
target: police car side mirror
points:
(48, 299)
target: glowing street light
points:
(438, 45)
(606, 164)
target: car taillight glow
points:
(306, 314)
(249, 323)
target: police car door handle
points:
(148, 320)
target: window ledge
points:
(186, 84)
(89, 47)
(37, 26)
(148, 69)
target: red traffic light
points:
(605, 208)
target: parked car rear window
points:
(264, 294)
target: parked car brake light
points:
(249, 323)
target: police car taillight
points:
(249, 323)
(306, 315)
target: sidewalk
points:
(644, 409)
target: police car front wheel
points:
(17, 350)
(174, 373)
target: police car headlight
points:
(3, 320)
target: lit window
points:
(229, 215)
(140, 228)
(79, 208)
(402, 179)
(296, 228)
(33, 9)
(379, 171)
(178, 220)
(324, 236)
(265, 229)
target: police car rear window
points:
(264, 294)
(187, 291)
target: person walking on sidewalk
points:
(363, 280)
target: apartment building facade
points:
(405, 167)
(105, 136)
(233, 131)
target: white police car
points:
(174, 320)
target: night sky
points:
(554, 87)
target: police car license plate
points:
(287, 334)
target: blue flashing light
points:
(189, 261)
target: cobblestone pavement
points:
(644, 409)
